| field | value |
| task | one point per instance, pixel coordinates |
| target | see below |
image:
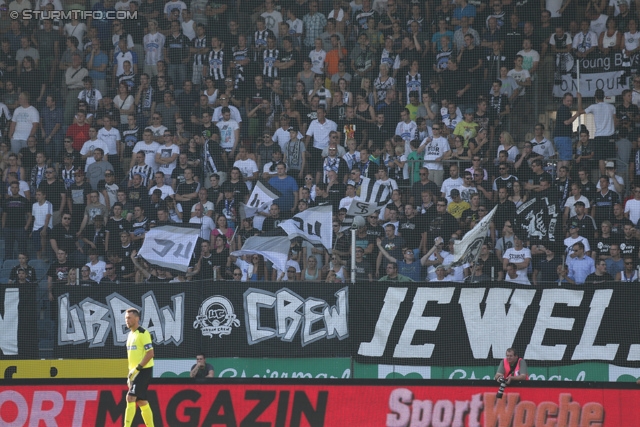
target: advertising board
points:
(332, 404)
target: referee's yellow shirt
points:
(138, 343)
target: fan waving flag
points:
(261, 196)
(537, 219)
(373, 197)
(273, 248)
(466, 251)
(313, 225)
(170, 246)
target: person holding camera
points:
(512, 368)
(201, 369)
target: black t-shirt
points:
(65, 239)
(54, 192)
(547, 269)
(602, 246)
(629, 247)
(126, 267)
(16, 208)
(115, 228)
(130, 138)
(59, 272)
(411, 231)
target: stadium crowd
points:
(113, 127)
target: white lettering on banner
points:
(9, 322)
(494, 314)
(216, 317)
(293, 312)
(585, 350)
(611, 82)
(551, 297)
(45, 407)
(392, 301)
(406, 410)
(495, 309)
(418, 322)
(92, 322)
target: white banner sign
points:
(273, 248)
(170, 246)
(313, 225)
(261, 196)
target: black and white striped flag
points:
(373, 197)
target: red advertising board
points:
(329, 404)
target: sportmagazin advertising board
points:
(337, 403)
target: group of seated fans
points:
(113, 127)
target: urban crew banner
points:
(417, 325)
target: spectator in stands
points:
(201, 369)
(579, 267)
(24, 267)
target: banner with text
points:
(224, 320)
(603, 72)
(343, 403)
(421, 325)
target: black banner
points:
(221, 319)
(18, 314)
(474, 325)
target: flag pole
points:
(578, 85)
(475, 260)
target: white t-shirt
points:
(282, 136)
(166, 152)
(458, 272)
(166, 191)
(520, 76)
(207, 226)
(633, 207)
(97, 270)
(89, 146)
(570, 241)
(611, 186)
(435, 149)
(40, 213)
(110, 138)
(24, 118)
(320, 132)
(235, 114)
(544, 148)
(529, 58)
(248, 168)
(448, 185)
(571, 202)
(516, 256)
(603, 117)
(227, 133)
(317, 61)
(149, 151)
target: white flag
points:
(261, 196)
(313, 225)
(273, 248)
(466, 250)
(170, 246)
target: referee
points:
(140, 357)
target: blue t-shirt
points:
(286, 187)
(102, 58)
(412, 270)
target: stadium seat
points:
(9, 264)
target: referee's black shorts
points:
(141, 383)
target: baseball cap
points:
(69, 155)
(610, 165)
(206, 133)
(292, 129)
(574, 224)
(469, 111)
